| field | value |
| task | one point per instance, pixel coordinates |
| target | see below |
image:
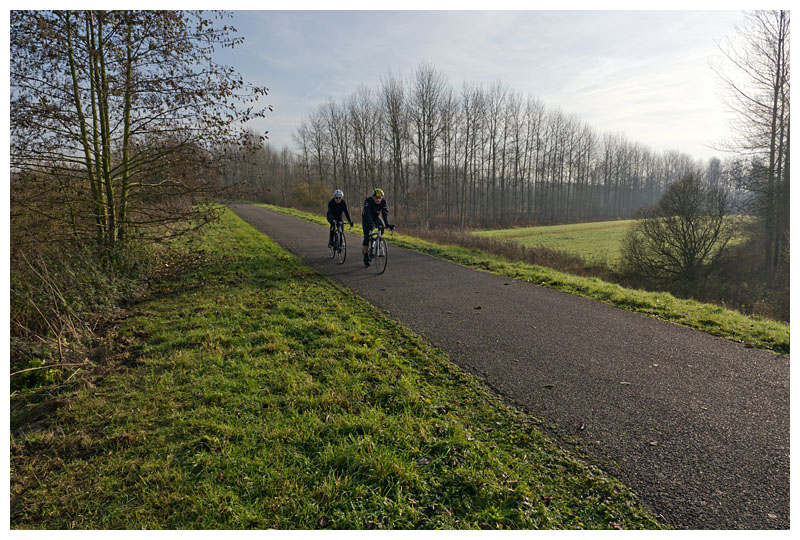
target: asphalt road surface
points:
(697, 426)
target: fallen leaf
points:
(323, 521)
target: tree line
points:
(483, 156)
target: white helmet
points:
(338, 194)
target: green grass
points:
(751, 331)
(253, 392)
(600, 241)
(595, 242)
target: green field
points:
(600, 241)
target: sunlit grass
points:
(599, 241)
(248, 391)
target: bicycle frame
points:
(338, 245)
(374, 236)
(340, 230)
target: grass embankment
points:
(255, 393)
(600, 241)
(751, 331)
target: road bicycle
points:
(339, 246)
(378, 250)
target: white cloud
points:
(642, 73)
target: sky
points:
(645, 74)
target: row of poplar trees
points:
(479, 156)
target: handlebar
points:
(378, 229)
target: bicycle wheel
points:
(342, 247)
(332, 248)
(381, 256)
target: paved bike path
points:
(697, 425)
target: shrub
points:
(59, 294)
(683, 237)
(309, 196)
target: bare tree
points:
(121, 109)
(471, 116)
(303, 141)
(425, 114)
(757, 83)
(341, 150)
(395, 115)
(319, 144)
(684, 235)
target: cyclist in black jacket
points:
(374, 208)
(336, 207)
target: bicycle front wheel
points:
(381, 256)
(342, 249)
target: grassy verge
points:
(715, 320)
(255, 393)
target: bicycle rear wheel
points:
(381, 256)
(342, 247)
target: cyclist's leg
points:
(365, 243)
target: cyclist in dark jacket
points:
(374, 208)
(337, 207)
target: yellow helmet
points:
(377, 192)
